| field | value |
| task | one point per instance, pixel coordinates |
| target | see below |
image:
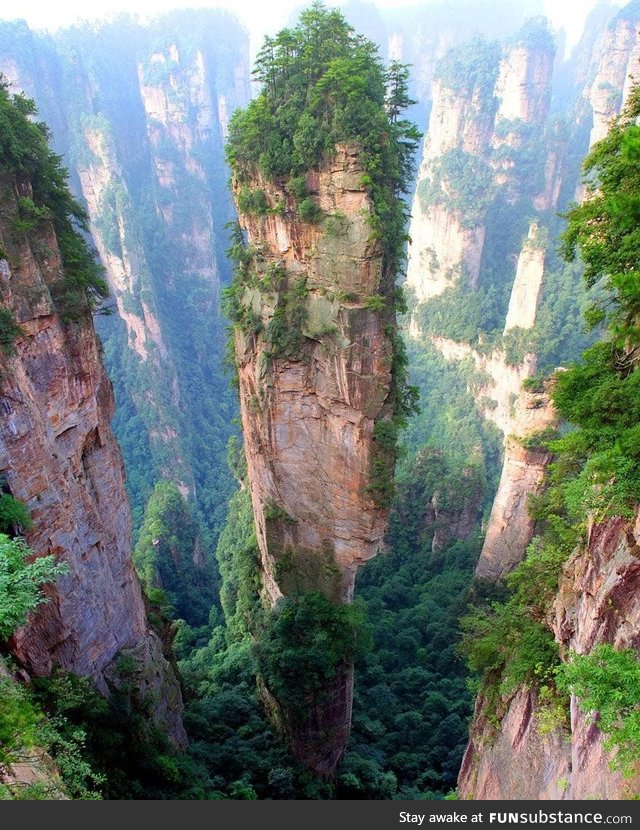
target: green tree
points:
(605, 229)
(21, 582)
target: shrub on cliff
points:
(607, 684)
(25, 155)
(322, 84)
(307, 640)
(21, 582)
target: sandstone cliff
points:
(442, 244)
(143, 136)
(58, 455)
(521, 757)
(510, 527)
(618, 53)
(488, 105)
(309, 409)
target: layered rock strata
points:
(58, 455)
(309, 406)
(522, 757)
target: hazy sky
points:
(259, 15)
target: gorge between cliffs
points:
(319, 406)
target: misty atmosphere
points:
(319, 443)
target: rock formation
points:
(522, 758)
(442, 244)
(309, 410)
(510, 527)
(58, 455)
(486, 107)
(619, 52)
(143, 137)
(525, 292)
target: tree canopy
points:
(323, 84)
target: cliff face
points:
(510, 527)
(485, 109)
(619, 53)
(143, 136)
(597, 603)
(441, 245)
(308, 416)
(525, 292)
(59, 456)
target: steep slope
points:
(57, 452)
(140, 113)
(321, 373)
(555, 715)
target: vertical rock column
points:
(314, 365)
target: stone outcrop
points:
(441, 244)
(143, 137)
(501, 385)
(523, 87)
(597, 602)
(58, 455)
(515, 761)
(308, 414)
(510, 527)
(619, 59)
(525, 292)
(486, 120)
(455, 516)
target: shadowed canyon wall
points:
(141, 115)
(58, 455)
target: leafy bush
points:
(21, 582)
(284, 332)
(306, 641)
(14, 516)
(9, 332)
(474, 65)
(310, 211)
(252, 201)
(375, 302)
(607, 684)
(19, 720)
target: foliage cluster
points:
(9, 332)
(284, 332)
(323, 85)
(463, 182)
(168, 554)
(607, 682)
(21, 582)
(470, 67)
(307, 640)
(26, 156)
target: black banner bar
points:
(327, 815)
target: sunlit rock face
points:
(308, 417)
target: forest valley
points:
(378, 408)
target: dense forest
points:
(125, 103)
